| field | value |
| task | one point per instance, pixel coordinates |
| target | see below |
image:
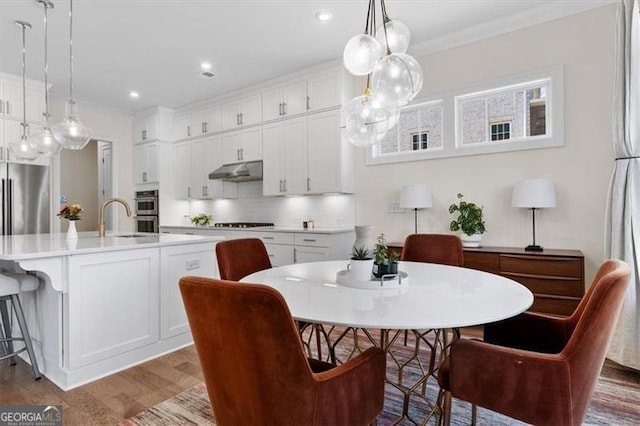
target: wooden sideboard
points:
(555, 277)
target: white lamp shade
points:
(415, 197)
(534, 193)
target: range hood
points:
(240, 172)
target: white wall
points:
(581, 169)
(108, 125)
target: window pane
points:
(474, 121)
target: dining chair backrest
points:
(241, 257)
(433, 248)
(254, 366)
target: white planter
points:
(471, 240)
(360, 270)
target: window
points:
(500, 131)
(523, 111)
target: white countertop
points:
(35, 246)
(264, 229)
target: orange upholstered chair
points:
(254, 365)
(241, 257)
(433, 248)
(536, 368)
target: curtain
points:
(622, 236)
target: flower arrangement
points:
(202, 219)
(70, 212)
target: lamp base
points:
(533, 248)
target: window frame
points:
(451, 128)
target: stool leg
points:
(25, 335)
(4, 312)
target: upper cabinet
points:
(315, 93)
(199, 122)
(242, 145)
(240, 112)
(11, 98)
(153, 124)
(284, 100)
(194, 160)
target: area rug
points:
(616, 401)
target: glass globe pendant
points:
(361, 54)
(394, 36)
(44, 141)
(71, 133)
(396, 79)
(366, 120)
(21, 149)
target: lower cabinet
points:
(128, 301)
(178, 262)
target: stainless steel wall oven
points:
(147, 218)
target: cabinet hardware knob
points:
(308, 103)
(308, 184)
(284, 108)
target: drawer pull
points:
(309, 240)
(272, 255)
(267, 238)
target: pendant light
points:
(21, 149)
(397, 77)
(44, 141)
(362, 52)
(71, 133)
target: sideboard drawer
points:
(563, 306)
(488, 262)
(538, 284)
(548, 266)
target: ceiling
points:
(155, 47)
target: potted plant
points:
(361, 263)
(385, 260)
(469, 221)
(202, 219)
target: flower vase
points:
(72, 234)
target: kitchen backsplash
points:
(328, 211)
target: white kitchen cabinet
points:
(129, 304)
(194, 160)
(330, 158)
(325, 90)
(177, 262)
(145, 163)
(153, 124)
(311, 254)
(240, 112)
(285, 157)
(284, 100)
(196, 123)
(242, 145)
(11, 98)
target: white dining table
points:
(429, 300)
(431, 296)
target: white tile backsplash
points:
(328, 211)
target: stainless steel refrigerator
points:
(25, 199)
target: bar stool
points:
(10, 285)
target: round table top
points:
(433, 296)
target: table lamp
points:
(415, 197)
(534, 194)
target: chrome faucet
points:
(101, 231)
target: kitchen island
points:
(105, 304)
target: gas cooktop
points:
(241, 224)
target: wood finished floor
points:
(117, 397)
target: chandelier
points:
(394, 78)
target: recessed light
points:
(206, 66)
(323, 16)
(134, 95)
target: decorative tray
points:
(399, 280)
